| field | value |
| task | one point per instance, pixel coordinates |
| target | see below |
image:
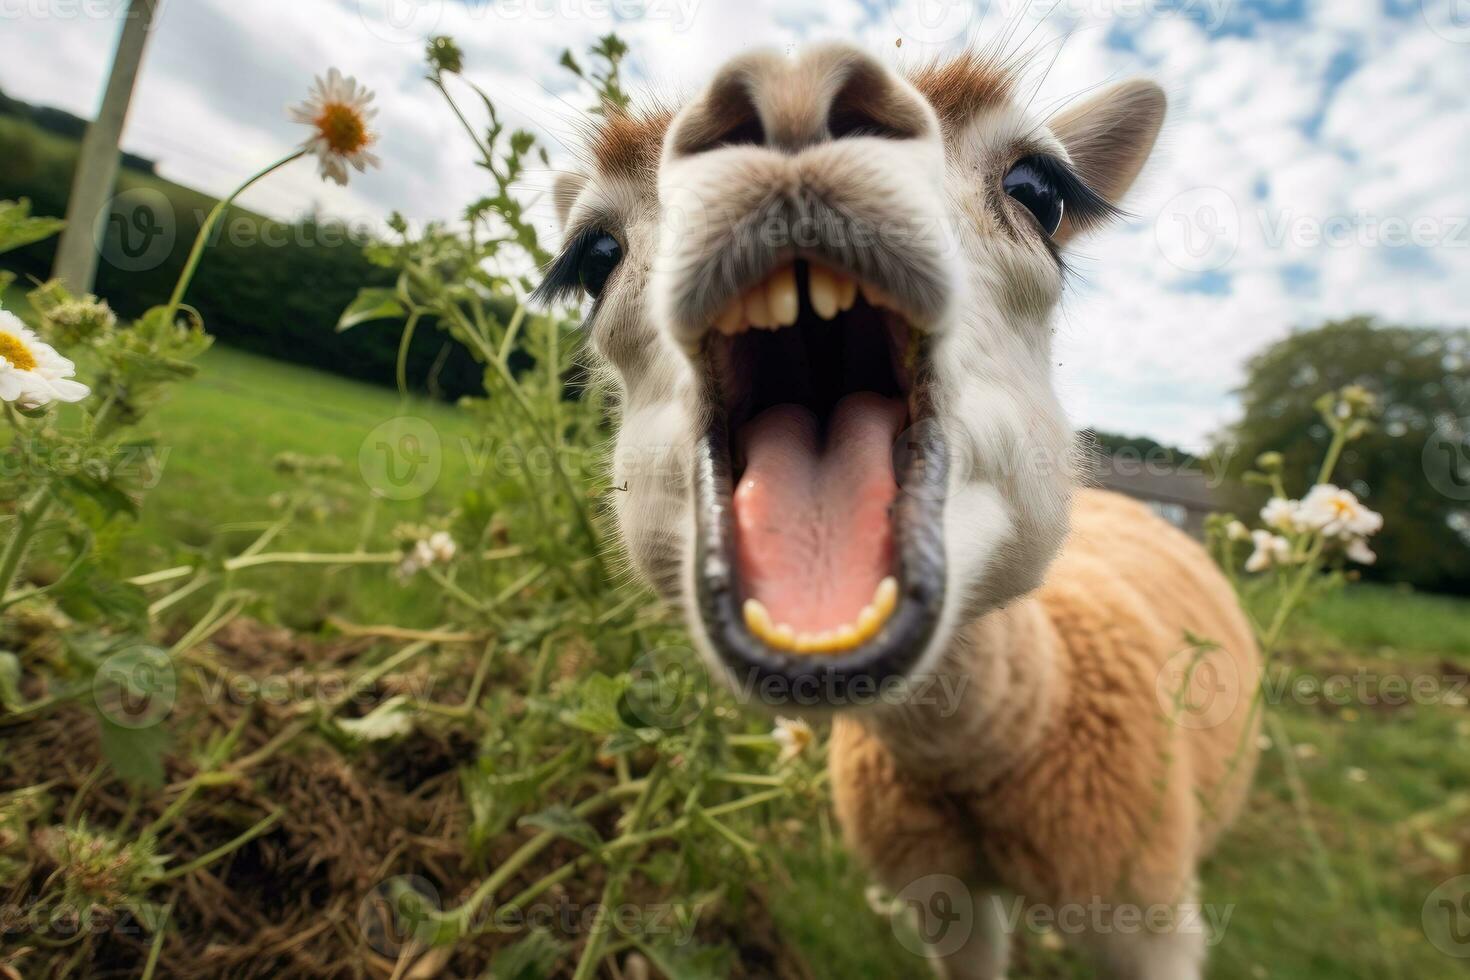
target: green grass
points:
(1388, 786)
(218, 438)
(1389, 621)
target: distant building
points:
(1180, 495)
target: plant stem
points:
(204, 860)
(592, 954)
(201, 240)
(403, 342)
(31, 513)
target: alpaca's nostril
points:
(728, 117)
(871, 104)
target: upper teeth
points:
(775, 302)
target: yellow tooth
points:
(824, 292)
(868, 623)
(847, 290)
(732, 320)
(781, 296)
(885, 598)
(876, 297)
(757, 310)
(757, 619)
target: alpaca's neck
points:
(987, 704)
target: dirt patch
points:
(304, 898)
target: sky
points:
(1314, 163)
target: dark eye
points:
(1029, 183)
(598, 262)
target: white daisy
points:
(1358, 551)
(1280, 513)
(32, 374)
(793, 735)
(1337, 513)
(337, 109)
(1271, 549)
(442, 546)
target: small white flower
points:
(1358, 551)
(1237, 531)
(337, 109)
(1271, 549)
(1338, 513)
(1281, 514)
(32, 374)
(442, 546)
(437, 549)
(793, 735)
(1356, 775)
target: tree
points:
(1412, 467)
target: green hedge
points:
(266, 287)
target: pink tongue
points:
(813, 535)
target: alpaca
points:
(824, 291)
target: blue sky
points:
(1314, 164)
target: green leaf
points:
(371, 304)
(560, 820)
(533, 958)
(18, 228)
(10, 681)
(136, 754)
(91, 596)
(599, 697)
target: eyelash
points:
(1085, 206)
(562, 283)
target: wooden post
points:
(97, 161)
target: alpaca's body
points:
(1060, 779)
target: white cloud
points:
(1259, 112)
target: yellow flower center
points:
(14, 350)
(1342, 507)
(343, 128)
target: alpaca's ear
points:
(564, 191)
(1110, 136)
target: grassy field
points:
(1385, 785)
(225, 433)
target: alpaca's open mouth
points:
(820, 483)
